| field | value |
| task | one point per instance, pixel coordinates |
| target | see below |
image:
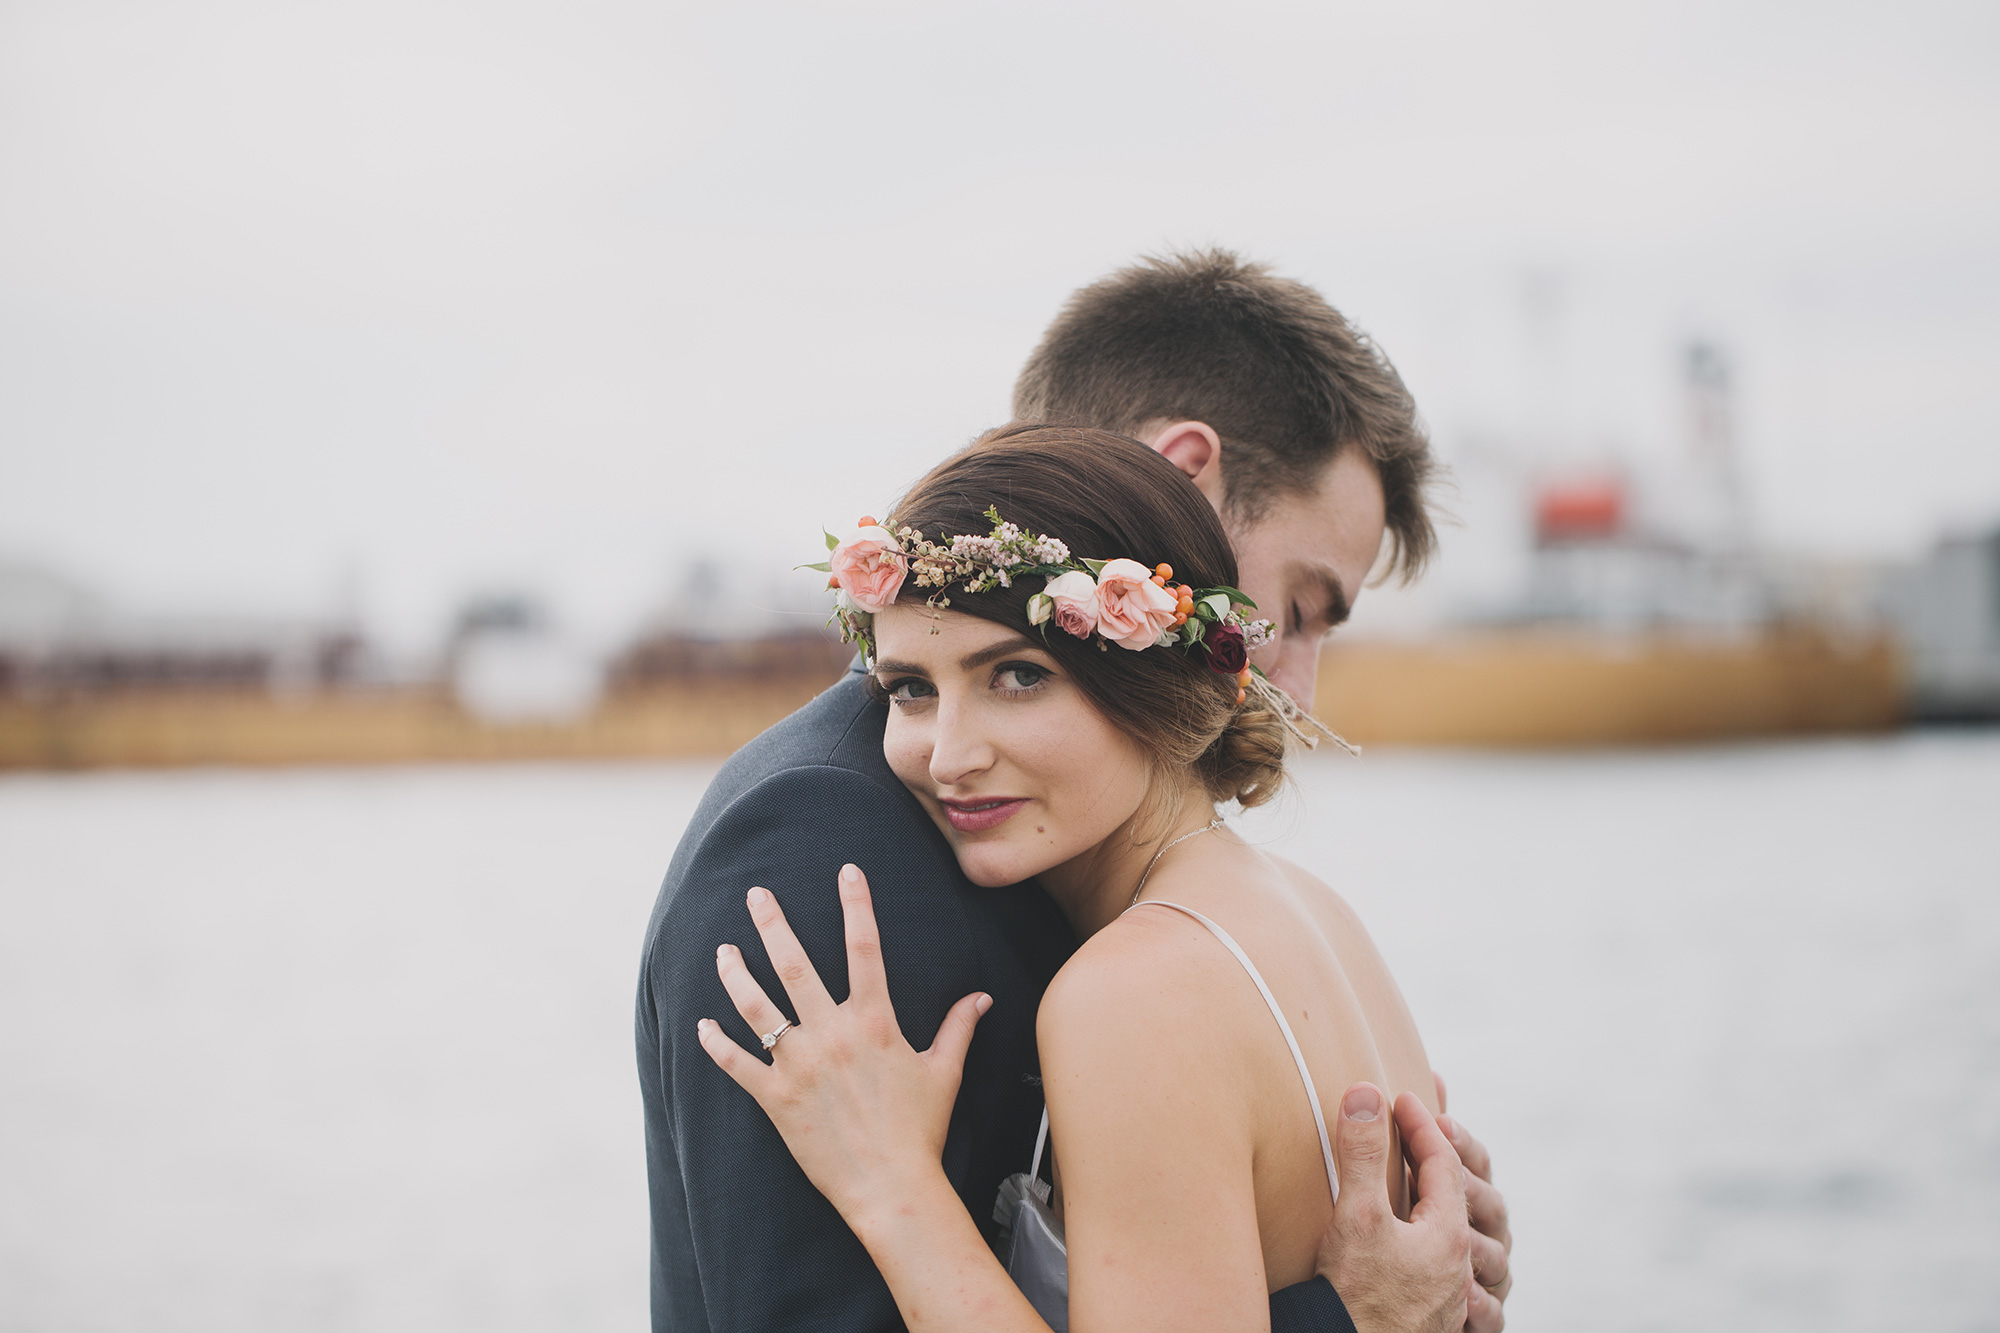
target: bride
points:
(1050, 616)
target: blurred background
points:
(391, 390)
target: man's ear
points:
(1194, 448)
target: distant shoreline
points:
(1503, 688)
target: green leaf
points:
(1236, 595)
(1217, 604)
(1193, 631)
(831, 540)
(824, 567)
(1096, 567)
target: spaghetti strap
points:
(1305, 1075)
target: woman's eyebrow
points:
(900, 669)
(993, 652)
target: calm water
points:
(350, 1050)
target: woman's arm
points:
(865, 1115)
(1152, 1103)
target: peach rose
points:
(1075, 598)
(868, 565)
(1132, 610)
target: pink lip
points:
(976, 816)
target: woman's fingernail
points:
(850, 873)
(1363, 1102)
(983, 1003)
(722, 951)
(760, 896)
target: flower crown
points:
(1112, 601)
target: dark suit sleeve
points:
(1312, 1306)
(741, 1239)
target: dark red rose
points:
(1226, 652)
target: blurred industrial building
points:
(1948, 616)
(61, 641)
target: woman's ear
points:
(1194, 448)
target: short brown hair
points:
(1282, 377)
(1107, 496)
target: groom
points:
(1303, 437)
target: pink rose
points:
(1132, 610)
(1075, 596)
(868, 565)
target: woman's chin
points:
(995, 867)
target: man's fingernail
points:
(760, 896)
(850, 873)
(1362, 1102)
(983, 1003)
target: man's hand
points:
(1396, 1276)
(1492, 1242)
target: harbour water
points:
(350, 1049)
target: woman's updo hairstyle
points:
(1106, 496)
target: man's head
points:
(1288, 418)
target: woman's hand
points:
(863, 1113)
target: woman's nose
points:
(959, 750)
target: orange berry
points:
(1159, 581)
(1243, 678)
(1180, 618)
(1184, 607)
(1241, 695)
(832, 581)
(1164, 570)
(866, 522)
(1186, 593)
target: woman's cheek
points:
(907, 748)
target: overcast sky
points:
(399, 301)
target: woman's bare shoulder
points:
(1392, 1027)
(1337, 919)
(1151, 983)
(1145, 954)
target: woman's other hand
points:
(863, 1112)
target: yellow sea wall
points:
(1550, 689)
(372, 727)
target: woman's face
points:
(1001, 746)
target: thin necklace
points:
(1210, 826)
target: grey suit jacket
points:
(740, 1238)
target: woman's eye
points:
(1015, 677)
(910, 690)
(1298, 618)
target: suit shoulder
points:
(821, 732)
(793, 829)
